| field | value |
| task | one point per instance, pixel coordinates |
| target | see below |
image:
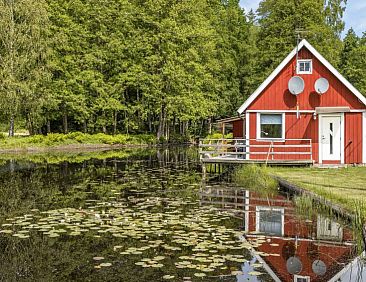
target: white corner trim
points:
(342, 138)
(364, 138)
(320, 151)
(247, 135)
(273, 75)
(247, 203)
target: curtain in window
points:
(271, 119)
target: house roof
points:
(303, 43)
(230, 119)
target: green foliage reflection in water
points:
(128, 210)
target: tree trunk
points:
(115, 123)
(48, 127)
(167, 127)
(66, 128)
(85, 127)
(162, 118)
(11, 128)
(150, 123)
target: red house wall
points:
(353, 138)
(277, 97)
(238, 131)
(303, 128)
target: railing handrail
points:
(231, 147)
(256, 139)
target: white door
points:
(330, 138)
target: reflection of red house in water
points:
(314, 249)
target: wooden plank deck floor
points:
(218, 160)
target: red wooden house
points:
(325, 123)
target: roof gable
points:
(287, 60)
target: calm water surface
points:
(147, 215)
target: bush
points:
(2, 136)
(54, 138)
(218, 135)
(177, 138)
(76, 136)
(36, 139)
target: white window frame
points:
(303, 277)
(260, 138)
(304, 61)
(257, 217)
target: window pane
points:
(271, 125)
(271, 119)
(307, 66)
(271, 131)
(302, 67)
(270, 222)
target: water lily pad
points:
(200, 274)
(98, 258)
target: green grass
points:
(75, 138)
(256, 178)
(345, 186)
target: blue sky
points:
(355, 15)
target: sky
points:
(355, 15)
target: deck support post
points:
(204, 171)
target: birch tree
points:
(23, 49)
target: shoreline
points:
(72, 147)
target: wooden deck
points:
(294, 152)
(218, 160)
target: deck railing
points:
(253, 149)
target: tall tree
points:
(319, 21)
(353, 60)
(23, 52)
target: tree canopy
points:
(166, 67)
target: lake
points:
(148, 215)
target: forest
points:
(162, 67)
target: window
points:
(299, 278)
(270, 221)
(304, 66)
(271, 126)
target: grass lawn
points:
(345, 186)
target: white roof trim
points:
(273, 75)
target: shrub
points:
(36, 139)
(218, 135)
(53, 138)
(2, 136)
(177, 138)
(77, 136)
